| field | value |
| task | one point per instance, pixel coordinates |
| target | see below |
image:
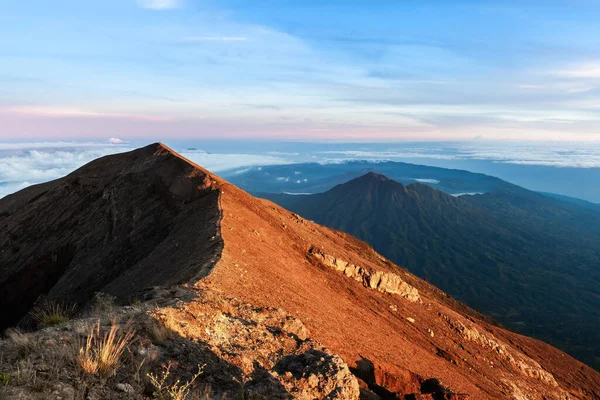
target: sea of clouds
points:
(26, 163)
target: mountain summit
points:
(135, 224)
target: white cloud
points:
(427, 180)
(24, 164)
(215, 39)
(242, 171)
(57, 112)
(41, 162)
(282, 153)
(218, 162)
(159, 4)
(588, 70)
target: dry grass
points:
(22, 342)
(50, 313)
(174, 391)
(101, 354)
(157, 332)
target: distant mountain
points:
(574, 200)
(528, 260)
(317, 178)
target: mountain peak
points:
(374, 176)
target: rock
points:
(270, 348)
(125, 388)
(317, 374)
(377, 280)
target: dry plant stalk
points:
(175, 391)
(102, 354)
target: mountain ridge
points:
(394, 330)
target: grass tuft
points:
(50, 313)
(101, 354)
(4, 379)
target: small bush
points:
(175, 391)
(101, 355)
(50, 313)
(4, 379)
(103, 303)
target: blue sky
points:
(346, 70)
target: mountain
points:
(528, 260)
(317, 178)
(274, 306)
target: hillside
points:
(274, 305)
(502, 252)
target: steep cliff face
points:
(400, 336)
(118, 225)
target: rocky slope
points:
(276, 281)
(501, 252)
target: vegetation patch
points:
(101, 354)
(51, 313)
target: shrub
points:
(103, 303)
(175, 391)
(101, 355)
(4, 379)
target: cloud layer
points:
(24, 164)
(159, 4)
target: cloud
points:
(242, 171)
(62, 112)
(159, 4)
(21, 166)
(219, 162)
(24, 164)
(427, 180)
(588, 70)
(114, 140)
(215, 39)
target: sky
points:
(349, 70)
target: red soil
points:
(265, 262)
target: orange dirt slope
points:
(272, 257)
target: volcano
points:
(130, 223)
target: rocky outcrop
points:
(272, 349)
(389, 382)
(377, 280)
(244, 352)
